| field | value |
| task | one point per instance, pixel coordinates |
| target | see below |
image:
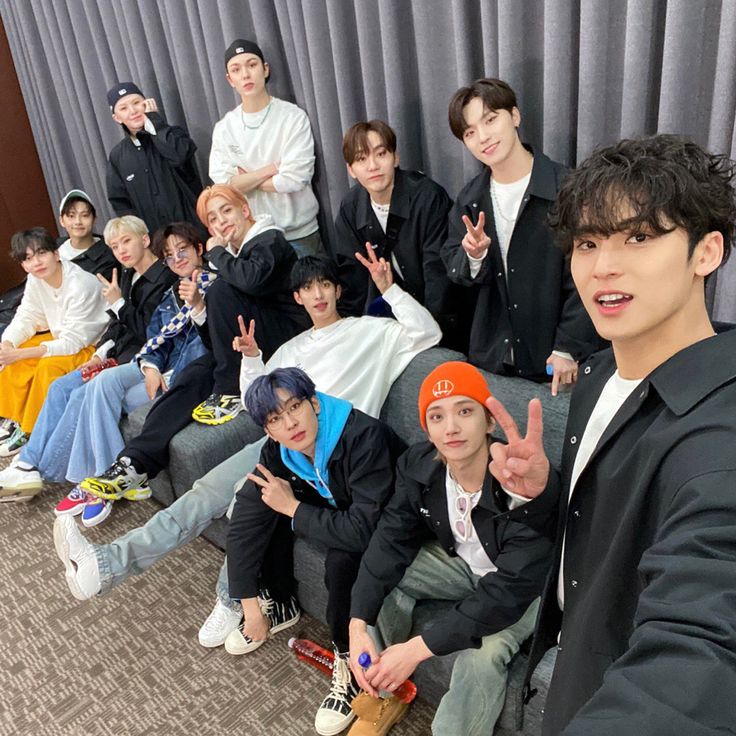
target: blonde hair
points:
(126, 224)
(234, 196)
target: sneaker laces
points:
(77, 494)
(218, 617)
(341, 678)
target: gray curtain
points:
(587, 72)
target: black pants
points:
(341, 570)
(273, 328)
(169, 414)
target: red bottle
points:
(322, 659)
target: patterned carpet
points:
(129, 664)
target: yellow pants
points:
(23, 385)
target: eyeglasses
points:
(180, 255)
(463, 524)
(293, 407)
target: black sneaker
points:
(218, 409)
(335, 714)
(280, 616)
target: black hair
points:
(37, 240)
(73, 200)
(495, 94)
(657, 183)
(313, 268)
(184, 230)
(260, 399)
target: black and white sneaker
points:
(7, 427)
(335, 714)
(280, 616)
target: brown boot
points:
(376, 715)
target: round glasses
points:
(180, 255)
(293, 407)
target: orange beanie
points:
(451, 379)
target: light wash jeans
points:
(77, 433)
(209, 498)
(478, 683)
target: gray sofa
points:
(197, 449)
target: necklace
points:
(263, 119)
(497, 207)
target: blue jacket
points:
(179, 351)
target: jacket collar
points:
(542, 183)
(400, 201)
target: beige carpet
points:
(129, 664)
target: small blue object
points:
(550, 370)
(364, 660)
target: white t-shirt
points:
(382, 212)
(68, 252)
(614, 393)
(356, 358)
(278, 134)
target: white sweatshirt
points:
(356, 358)
(284, 138)
(74, 313)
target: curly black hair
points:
(657, 183)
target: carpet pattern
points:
(129, 664)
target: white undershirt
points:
(382, 211)
(68, 252)
(614, 393)
(471, 550)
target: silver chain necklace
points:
(263, 119)
(497, 207)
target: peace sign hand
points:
(476, 242)
(276, 493)
(245, 342)
(521, 466)
(110, 289)
(379, 269)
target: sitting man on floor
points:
(61, 315)
(78, 432)
(355, 358)
(324, 474)
(451, 533)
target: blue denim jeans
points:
(478, 682)
(77, 432)
(209, 498)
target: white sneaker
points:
(18, 484)
(78, 556)
(336, 713)
(280, 616)
(221, 622)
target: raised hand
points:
(275, 492)
(379, 269)
(245, 343)
(475, 242)
(521, 465)
(189, 292)
(149, 105)
(110, 289)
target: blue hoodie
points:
(331, 421)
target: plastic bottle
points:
(406, 692)
(311, 653)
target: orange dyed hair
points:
(231, 194)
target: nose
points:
(290, 421)
(606, 264)
(451, 426)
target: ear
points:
(396, 159)
(350, 171)
(338, 292)
(298, 299)
(516, 116)
(268, 434)
(229, 80)
(315, 404)
(708, 254)
(266, 71)
(117, 119)
(146, 240)
(246, 212)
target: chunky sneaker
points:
(7, 427)
(74, 502)
(120, 477)
(280, 615)
(78, 556)
(14, 444)
(218, 409)
(335, 714)
(18, 483)
(138, 494)
(96, 512)
(219, 624)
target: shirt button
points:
(574, 583)
(517, 340)
(642, 394)
(436, 523)
(506, 342)
(576, 513)
(573, 440)
(516, 306)
(512, 270)
(499, 274)
(587, 370)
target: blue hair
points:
(261, 400)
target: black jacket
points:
(127, 329)
(157, 181)
(98, 258)
(518, 542)
(361, 480)
(648, 643)
(538, 310)
(415, 231)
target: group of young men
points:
(628, 544)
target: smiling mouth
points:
(612, 301)
(488, 150)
